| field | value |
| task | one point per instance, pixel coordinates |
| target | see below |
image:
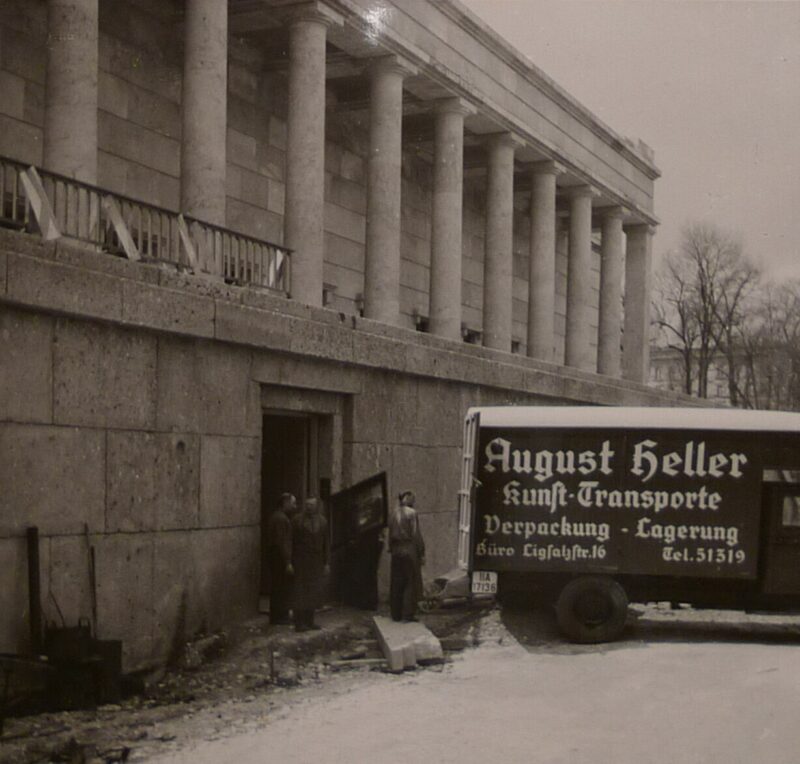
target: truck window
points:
(791, 511)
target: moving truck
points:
(591, 507)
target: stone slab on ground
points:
(405, 644)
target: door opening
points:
(289, 464)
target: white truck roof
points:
(572, 417)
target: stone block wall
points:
(415, 241)
(138, 432)
(472, 244)
(256, 146)
(139, 96)
(146, 448)
(23, 36)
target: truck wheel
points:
(592, 609)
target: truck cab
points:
(780, 572)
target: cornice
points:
(458, 13)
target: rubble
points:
(406, 644)
(248, 673)
(201, 650)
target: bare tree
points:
(789, 313)
(701, 298)
(675, 313)
(770, 350)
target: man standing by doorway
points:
(310, 556)
(279, 553)
(408, 555)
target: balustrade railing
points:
(123, 226)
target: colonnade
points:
(70, 143)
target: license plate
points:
(484, 582)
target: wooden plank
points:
(40, 204)
(358, 663)
(186, 240)
(123, 234)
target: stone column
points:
(579, 268)
(204, 105)
(70, 116)
(542, 270)
(382, 272)
(609, 335)
(498, 254)
(305, 149)
(636, 341)
(447, 219)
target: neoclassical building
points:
(271, 245)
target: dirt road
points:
(704, 692)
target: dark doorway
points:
(288, 464)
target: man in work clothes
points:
(279, 529)
(408, 556)
(310, 557)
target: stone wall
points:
(130, 420)
(23, 34)
(139, 97)
(145, 447)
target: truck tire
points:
(592, 609)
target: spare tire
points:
(592, 609)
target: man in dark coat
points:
(310, 558)
(408, 555)
(279, 529)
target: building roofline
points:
(632, 418)
(459, 13)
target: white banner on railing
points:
(276, 265)
(120, 228)
(186, 240)
(40, 204)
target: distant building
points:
(287, 245)
(667, 372)
(766, 379)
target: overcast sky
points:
(713, 87)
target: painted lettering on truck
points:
(654, 502)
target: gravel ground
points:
(258, 672)
(681, 686)
(265, 674)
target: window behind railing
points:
(14, 209)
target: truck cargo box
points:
(629, 495)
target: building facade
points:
(762, 377)
(275, 246)
(668, 372)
